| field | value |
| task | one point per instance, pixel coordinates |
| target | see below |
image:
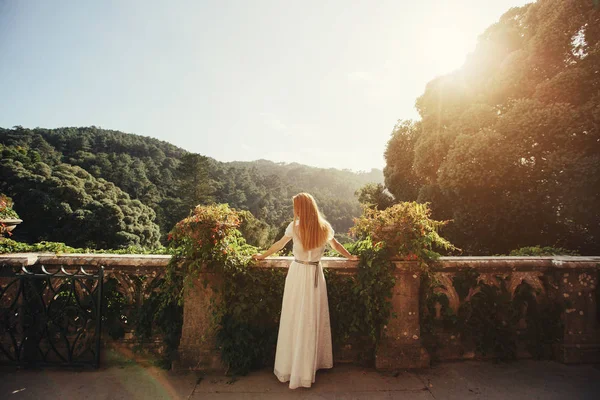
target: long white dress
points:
(304, 340)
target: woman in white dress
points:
(304, 340)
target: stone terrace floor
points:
(122, 377)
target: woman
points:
(304, 340)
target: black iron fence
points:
(50, 316)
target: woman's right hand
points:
(258, 257)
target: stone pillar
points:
(400, 347)
(197, 348)
(581, 343)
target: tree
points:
(509, 145)
(192, 187)
(193, 184)
(374, 195)
(400, 177)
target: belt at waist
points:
(307, 262)
(317, 265)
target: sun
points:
(447, 47)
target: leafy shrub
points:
(406, 229)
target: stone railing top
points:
(516, 263)
(151, 261)
(109, 261)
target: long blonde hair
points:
(313, 229)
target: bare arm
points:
(337, 246)
(278, 245)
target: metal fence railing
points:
(50, 316)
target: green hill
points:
(63, 179)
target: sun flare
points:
(448, 39)
(447, 46)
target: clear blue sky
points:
(316, 82)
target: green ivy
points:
(359, 304)
(248, 318)
(545, 327)
(247, 313)
(489, 320)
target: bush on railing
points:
(406, 229)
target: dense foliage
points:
(508, 146)
(65, 203)
(92, 167)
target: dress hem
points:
(306, 383)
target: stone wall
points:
(552, 278)
(571, 282)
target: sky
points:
(316, 82)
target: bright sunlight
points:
(448, 39)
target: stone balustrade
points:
(567, 281)
(571, 282)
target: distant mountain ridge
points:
(149, 170)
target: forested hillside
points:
(101, 188)
(508, 146)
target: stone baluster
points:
(400, 347)
(197, 347)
